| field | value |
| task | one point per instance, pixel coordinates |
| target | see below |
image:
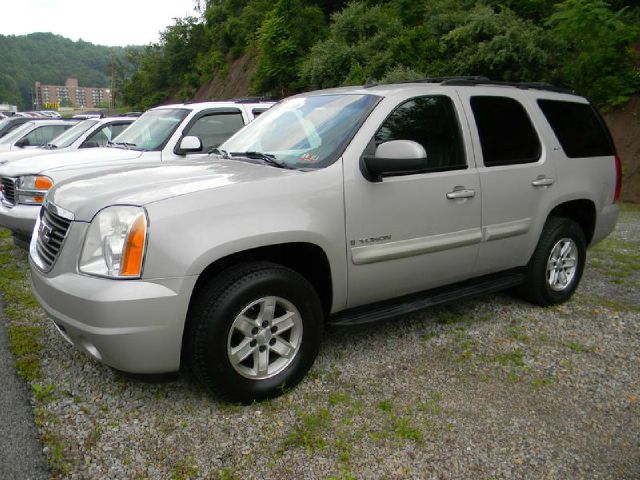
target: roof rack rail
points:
(464, 82)
(475, 80)
(251, 99)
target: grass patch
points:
(630, 207)
(309, 431)
(25, 332)
(514, 358)
(405, 430)
(578, 347)
(386, 406)
(185, 469)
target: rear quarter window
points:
(579, 128)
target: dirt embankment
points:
(624, 124)
(232, 85)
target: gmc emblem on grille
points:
(45, 231)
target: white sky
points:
(105, 22)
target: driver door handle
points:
(542, 182)
(462, 193)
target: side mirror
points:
(189, 144)
(23, 142)
(90, 144)
(397, 157)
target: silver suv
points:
(345, 206)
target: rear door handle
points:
(462, 193)
(542, 182)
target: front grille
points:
(51, 234)
(8, 190)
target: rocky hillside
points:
(624, 124)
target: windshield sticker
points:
(309, 158)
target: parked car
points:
(34, 134)
(89, 133)
(11, 123)
(51, 113)
(349, 205)
(165, 133)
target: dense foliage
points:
(586, 45)
(51, 59)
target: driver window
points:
(100, 137)
(214, 129)
(432, 122)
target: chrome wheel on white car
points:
(264, 338)
(562, 263)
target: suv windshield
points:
(71, 135)
(303, 132)
(152, 130)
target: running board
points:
(401, 306)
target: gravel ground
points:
(491, 388)
(20, 452)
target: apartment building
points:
(72, 94)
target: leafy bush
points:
(598, 55)
(587, 45)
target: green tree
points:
(359, 46)
(285, 36)
(598, 55)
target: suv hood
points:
(36, 165)
(13, 155)
(85, 196)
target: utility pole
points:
(113, 82)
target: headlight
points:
(31, 189)
(115, 243)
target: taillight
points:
(616, 195)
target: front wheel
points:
(254, 331)
(556, 267)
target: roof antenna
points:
(370, 82)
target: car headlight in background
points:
(115, 243)
(31, 189)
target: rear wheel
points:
(556, 267)
(254, 331)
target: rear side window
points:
(579, 128)
(506, 133)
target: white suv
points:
(171, 132)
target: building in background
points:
(71, 95)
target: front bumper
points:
(19, 218)
(132, 325)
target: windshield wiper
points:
(50, 146)
(265, 158)
(126, 145)
(218, 151)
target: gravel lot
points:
(491, 388)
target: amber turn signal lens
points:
(43, 183)
(134, 248)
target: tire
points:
(21, 241)
(540, 286)
(216, 332)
